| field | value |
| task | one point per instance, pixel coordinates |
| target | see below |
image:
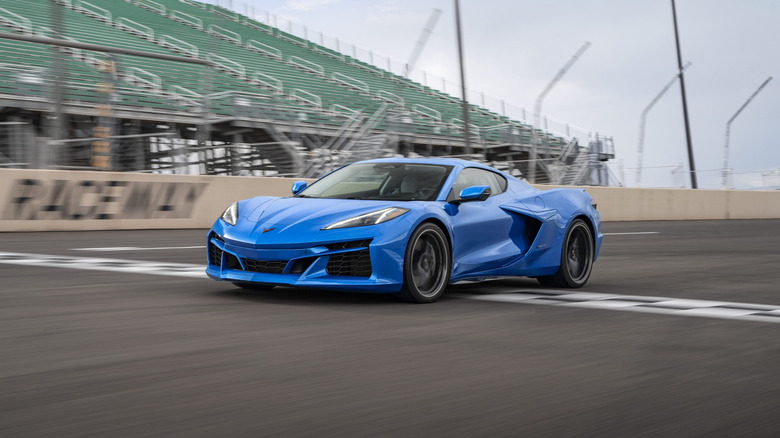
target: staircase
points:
(353, 142)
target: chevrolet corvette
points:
(408, 227)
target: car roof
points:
(457, 162)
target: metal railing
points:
(188, 96)
(711, 179)
(349, 52)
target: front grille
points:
(350, 264)
(215, 254)
(350, 244)
(264, 266)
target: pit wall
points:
(51, 200)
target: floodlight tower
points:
(641, 147)
(538, 107)
(418, 48)
(728, 131)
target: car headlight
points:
(373, 218)
(231, 214)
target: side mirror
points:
(298, 187)
(473, 193)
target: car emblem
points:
(265, 230)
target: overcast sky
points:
(513, 48)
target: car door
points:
(481, 228)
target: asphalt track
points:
(90, 352)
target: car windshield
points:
(381, 181)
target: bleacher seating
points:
(249, 59)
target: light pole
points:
(640, 149)
(728, 131)
(691, 165)
(462, 79)
(538, 107)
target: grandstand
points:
(254, 100)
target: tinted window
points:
(501, 182)
(382, 181)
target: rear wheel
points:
(576, 258)
(427, 265)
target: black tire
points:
(576, 258)
(254, 286)
(427, 265)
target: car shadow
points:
(292, 295)
(309, 296)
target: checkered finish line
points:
(630, 303)
(635, 303)
(101, 264)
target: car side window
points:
(471, 176)
(501, 182)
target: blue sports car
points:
(408, 227)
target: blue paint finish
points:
(483, 236)
(298, 187)
(474, 193)
(517, 232)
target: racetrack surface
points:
(90, 352)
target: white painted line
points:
(631, 233)
(137, 248)
(97, 264)
(635, 303)
(588, 300)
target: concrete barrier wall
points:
(49, 200)
(637, 204)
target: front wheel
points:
(576, 258)
(427, 265)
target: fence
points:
(679, 177)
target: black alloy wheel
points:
(576, 258)
(427, 265)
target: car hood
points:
(292, 219)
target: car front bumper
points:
(364, 259)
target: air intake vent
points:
(348, 245)
(350, 264)
(215, 254)
(264, 266)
